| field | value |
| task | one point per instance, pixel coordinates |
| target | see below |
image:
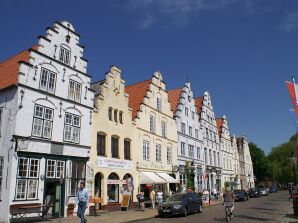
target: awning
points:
(150, 178)
(167, 178)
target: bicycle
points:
(228, 209)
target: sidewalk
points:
(120, 216)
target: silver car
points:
(264, 191)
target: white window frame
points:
(64, 55)
(196, 133)
(164, 129)
(169, 155)
(74, 91)
(158, 153)
(190, 131)
(152, 124)
(57, 168)
(158, 104)
(47, 79)
(191, 151)
(72, 128)
(42, 125)
(146, 150)
(183, 127)
(182, 148)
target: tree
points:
(189, 172)
(260, 162)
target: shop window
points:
(55, 168)
(115, 147)
(127, 149)
(113, 188)
(27, 179)
(42, 121)
(77, 173)
(101, 145)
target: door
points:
(54, 196)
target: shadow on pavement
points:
(220, 219)
(291, 216)
(271, 204)
(253, 218)
(265, 209)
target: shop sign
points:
(151, 165)
(113, 181)
(113, 163)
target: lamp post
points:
(293, 161)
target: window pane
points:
(74, 170)
(115, 147)
(75, 134)
(78, 92)
(101, 144)
(38, 111)
(21, 189)
(48, 113)
(71, 90)
(76, 120)
(37, 126)
(81, 170)
(32, 189)
(51, 164)
(47, 129)
(67, 133)
(52, 80)
(126, 149)
(44, 79)
(68, 118)
(23, 167)
(34, 168)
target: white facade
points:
(190, 137)
(52, 110)
(248, 167)
(235, 162)
(212, 151)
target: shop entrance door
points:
(54, 196)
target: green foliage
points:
(260, 162)
(227, 184)
(189, 172)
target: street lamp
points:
(293, 161)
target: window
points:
(183, 148)
(64, 55)
(55, 168)
(113, 188)
(182, 178)
(121, 117)
(115, 147)
(218, 160)
(152, 124)
(1, 115)
(101, 145)
(158, 153)
(163, 129)
(207, 134)
(1, 175)
(126, 149)
(193, 115)
(74, 91)
(42, 121)
(72, 127)
(169, 155)
(190, 130)
(186, 112)
(110, 113)
(27, 179)
(210, 157)
(214, 158)
(205, 155)
(183, 128)
(197, 133)
(116, 115)
(77, 172)
(47, 80)
(158, 103)
(198, 153)
(191, 151)
(146, 150)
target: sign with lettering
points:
(113, 163)
(152, 165)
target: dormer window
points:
(64, 55)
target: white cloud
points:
(290, 23)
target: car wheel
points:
(184, 212)
(200, 209)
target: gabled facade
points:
(113, 153)
(46, 108)
(156, 135)
(212, 153)
(226, 150)
(190, 138)
(236, 164)
(247, 175)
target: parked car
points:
(264, 191)
(241, 195)
(273, 189)
(181, 204)
(254, 192)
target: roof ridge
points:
(5, 60)
(138, 83)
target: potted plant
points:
(70, 208)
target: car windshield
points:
(239, 192)
(176, 197)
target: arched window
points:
(121, 117)
(127, 149)
(113, 188)
(116, 115)
(158, 103)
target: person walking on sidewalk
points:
(83, 202)
(152, 198)
(159, 196)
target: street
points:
(270, 208)
(273, 208)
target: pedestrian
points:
(152, 197)
(83, 202)
(229, 198)
(159, 196)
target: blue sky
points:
(241, 51)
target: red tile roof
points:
(174, 98)
(137, 92)
(199, 103)
(9, 69)
(219, 122)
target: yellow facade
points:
(144, 132)
(112, 128)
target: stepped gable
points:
(174, 98)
